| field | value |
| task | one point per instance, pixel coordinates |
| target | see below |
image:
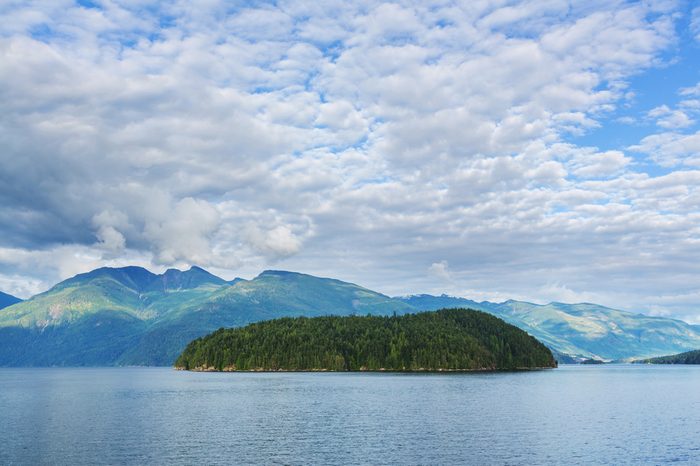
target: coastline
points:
(380, 370)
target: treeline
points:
(691, 357)
(449, 339)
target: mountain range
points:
(584, 330)
(130, 316)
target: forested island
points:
(445, 340)
(690, 357)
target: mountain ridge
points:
(142, 318)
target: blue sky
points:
(653, 87)
(536, 150)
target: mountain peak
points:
(196, 276)
(140, 279)
(132, 276)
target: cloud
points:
(587, 162)
(276, 243)
(181, 233)
(671, 149)
(357, 140)
(695, 23)
(440, 270)
(690, 91)
(21, 286)
(670, 119)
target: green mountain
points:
(7, 300)
(129, 316)
(449, 339)
(689, 357)
(270, 295)
(96, 317)
(583, 331)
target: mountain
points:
(7, 300)
(133, 291)
(270, 295)
(446, 340)
(584, 331)
(94, 318)
(130, 316)
(689, 357)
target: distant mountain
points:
(7, 300)
(133, 291)
(94, 318)
(583, 331)
(689, 357)
(130, 316)
(270, 295)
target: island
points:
(444, 340)
(690, 357)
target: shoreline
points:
(398, 371)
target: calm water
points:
(575, 414)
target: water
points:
(571, 415)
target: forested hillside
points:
(689, 357)
(452, 339)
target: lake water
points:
(572, 415)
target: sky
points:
(539, 150)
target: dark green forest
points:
(449, 339)
(691, 357)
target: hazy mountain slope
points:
(584, 330)
(7, 300)
(132, 316)
(94, 318)
(690, 357)
(96, 339)
(132, 290)
(270, 295)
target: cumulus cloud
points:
(357, 140)
(670, 119)
(586, 162)
(671, 149)
(276, 243)
(440, 269)
(181, 233)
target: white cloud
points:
(586, 162)
(357, 140)
(21, 286)
(441, 270)
(671, 149)
(695, 23)
(276, 243)
(670, 119)
(182, 233)
(690, 91)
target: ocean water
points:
(617, 414)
